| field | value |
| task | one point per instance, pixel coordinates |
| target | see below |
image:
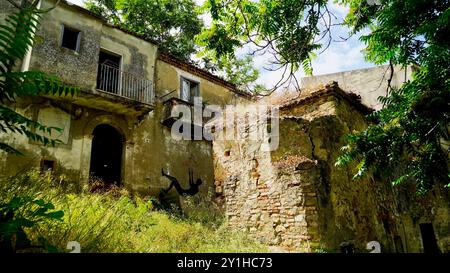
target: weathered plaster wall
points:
(80, 67)
(73, 155)
(295, 196)
(167, 80)
(415, 210)
(77, 68)
(154, 149)
(6, 9)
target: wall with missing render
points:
(77, 68)
(167, 82)
(148, 144)
(80, 67)
(295, 197)
(72, 156)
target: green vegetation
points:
(16, 37)
(241, 72)
(173, 26)
(170, 23)
(408, 140)
(285, 30)
(112, 221)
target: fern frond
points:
(16, 37)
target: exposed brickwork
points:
(295, 197)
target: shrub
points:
(112, 222)
(20, 213)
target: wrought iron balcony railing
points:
(113, 80)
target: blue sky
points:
(340, 56)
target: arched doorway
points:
(106, 154)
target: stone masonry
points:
(296, 198)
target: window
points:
(189, 90)
(70, 38)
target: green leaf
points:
(57, 215)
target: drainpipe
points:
(406, 73)
(27, 59)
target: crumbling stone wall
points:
(295, 196)
(269, 199)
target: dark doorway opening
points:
(429, 238)
(108, 76)
(106, 155)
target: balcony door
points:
(108, 77)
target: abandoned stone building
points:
(118, 129)
(114, 128)
(295, 196)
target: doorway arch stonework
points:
(121, 125)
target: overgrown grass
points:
(119, 222)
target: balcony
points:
(168, 105)
(168, 120)
(124, 84)
(118, 92)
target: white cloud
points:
(340, 57)
(337, 9)
(78, 2)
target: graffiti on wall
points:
(193, 186)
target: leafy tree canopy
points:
(239, 71)
(287, 29)
(409, 139)
(171, 23)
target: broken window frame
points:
(194, 89)
(63, 29)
